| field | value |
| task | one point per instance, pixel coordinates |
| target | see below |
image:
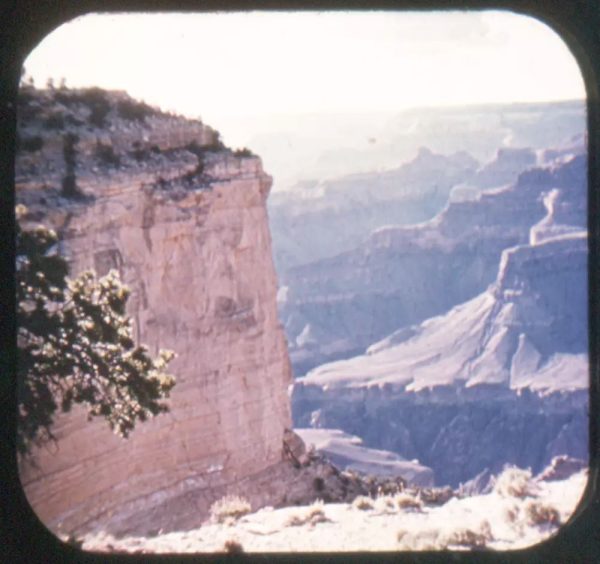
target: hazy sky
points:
(218, 66)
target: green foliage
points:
(75, 345)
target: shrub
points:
(97, 101)
(31, 144)
(162, 183)
(313, 515)
(514, 482)
(363, 503)
(319, 484)
(232, 546)
(406, 501)
(436, 496)
(94, 98)
(74, 541)
(139, 153)
(106, 155)
(433, 539)
(98, 113)
(538, 513)
(133, 111)
(193, 147)
(463, 536)
(245, 152)
(54, 121)
(427, 539)
(229, 507)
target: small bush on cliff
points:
(75, 345)
(106, 155)
(134, 111)
(233, 546)
(54, 121)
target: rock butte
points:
(185, 223)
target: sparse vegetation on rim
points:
(243, 152)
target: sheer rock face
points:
(188, 231)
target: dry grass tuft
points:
(514, 482)
(433, 539)
(314, 514)
(511, 513)
(406, 501)
(228, 508)
(363, 503)
(470, 538)
(537, 513)
(425, 539)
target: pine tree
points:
(75, 345)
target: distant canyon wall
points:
(403, 274)
(458, 432)
(501, 378)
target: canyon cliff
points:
(400, 275)
(183, 219)
(501, 377)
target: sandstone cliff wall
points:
(196, 253)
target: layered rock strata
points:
(402, 275)
(502, 378)
(184, 221)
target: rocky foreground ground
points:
(518, 511)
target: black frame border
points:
(25, 22)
